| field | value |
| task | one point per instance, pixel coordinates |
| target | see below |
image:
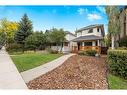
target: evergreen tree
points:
(24, 30)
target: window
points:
(97, 29)
(66, 44)
(88, 43)
(90, 31)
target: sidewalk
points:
(10, 78)
(38, 71)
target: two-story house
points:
(89, 37)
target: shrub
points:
(91, 52)
(117, 60)
(52, 51)
(14, 47)
(81, 52)
(88, 52)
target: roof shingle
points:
(86, 38)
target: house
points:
(89, 38)
(86, 38)
(67, 45)
(123, 25)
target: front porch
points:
(89, 42)
(87, 45)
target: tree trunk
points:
(61, 47)
(113, 42)
(57, 47)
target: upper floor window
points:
(97, 29)
(90, 31)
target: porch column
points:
(93, 43)
(98, 42)
(83, 44)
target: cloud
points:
(81, 11)
(93, 16)
(101, 9)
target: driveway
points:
(78, 72)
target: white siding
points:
(85, 32)
(79, 34)
(57, 48)
(70, 37)
(96, 32)
(65, 49)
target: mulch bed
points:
(78, 72)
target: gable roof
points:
(86, 38)
(67, 32)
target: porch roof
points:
(87, 38)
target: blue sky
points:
(67, 17)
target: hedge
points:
(117, 60)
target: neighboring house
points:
(67, 45)
(89, 38)
(123, 24)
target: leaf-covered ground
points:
(78, 72)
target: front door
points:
(78, 46)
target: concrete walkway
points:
(38, 71)
(10, 78)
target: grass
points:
(116, 82)
(27, 61)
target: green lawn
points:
(116, 82)
(28, 61)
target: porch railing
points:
(97, 48)
(82, 48)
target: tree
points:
(123, 42)
(48, 38)
(9, 28)
(35, 41)
(106, 41)
(2, 39)
(41, 39)
(31, 42)
(24, 30)
(57, 36)
(113, 13)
